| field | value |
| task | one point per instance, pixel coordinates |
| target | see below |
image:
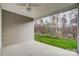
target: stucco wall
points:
(16, 28)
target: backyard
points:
(58, 30)
(69, 44)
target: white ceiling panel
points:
(42, 10)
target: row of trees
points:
(64, 25)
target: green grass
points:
(69, 44)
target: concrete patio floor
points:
(34, 48)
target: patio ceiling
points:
(43, 9)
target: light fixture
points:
(28, 9)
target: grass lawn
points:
(59, 42)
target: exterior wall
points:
(16, 28)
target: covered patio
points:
(17, 37)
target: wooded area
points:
(59, 25)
